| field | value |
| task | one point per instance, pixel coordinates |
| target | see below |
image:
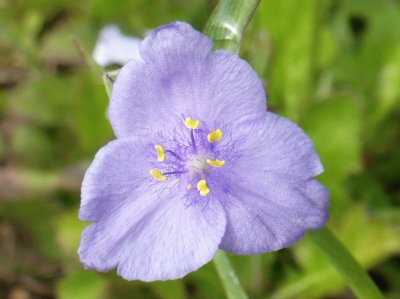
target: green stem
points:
(353, 274)
(228, 22)
(228, 277)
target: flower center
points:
(194, 158)
(198, 165)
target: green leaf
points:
(44, 100)
(365, 49)
(358, 231)
(207, 282)
(334, 126)
(69, 229)
(32, 147)
(169, 289)
(254, 271)
(90, 112)
(36, 218)
(389, 86)
(292, 26)
(81, 284)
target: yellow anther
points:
(215, 163)
(214, 136)
(189, 186)
(191, 123)
(160, 153)
(158, 175)
(203, 188)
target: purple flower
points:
(198, 164)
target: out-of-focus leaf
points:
(69, 229)
(370, 239)
(45, 110)
(83, 285)
(2, 148)
(254, 271)
(36, 218)
(383, 146)
(32, 147)
(257, 46)
(362, 28)
(142, 15)
(334, 126)
(389, 86)
(90, 108)
(292, 25)
(206, 282)
(68, 46)
(365, 189)
(169, 289)
(45, 100)
(46, 6)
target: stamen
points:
(173, 154)
(191, 123)
(203, 188)
(175, 172)
(158, 175)
(193, 141)
(214, 136)
(160, 153)
(215, 163)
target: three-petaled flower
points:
(198, 164)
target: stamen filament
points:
(215, 163)
(214, 136)
(173, 154)
(175, 172)
(160, 153)
(193, 141)
(158, 175)
(203, 188)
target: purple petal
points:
(173, 241)
(169, 44)
(275, 199)
(278, 146)
(117, 173)
(267, 212)
(136, 103)
(180, 77)
(143, 226)
(233, 92)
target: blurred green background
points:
(332, 66)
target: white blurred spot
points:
(113, 47)
(233, 30)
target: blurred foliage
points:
(332, 66)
